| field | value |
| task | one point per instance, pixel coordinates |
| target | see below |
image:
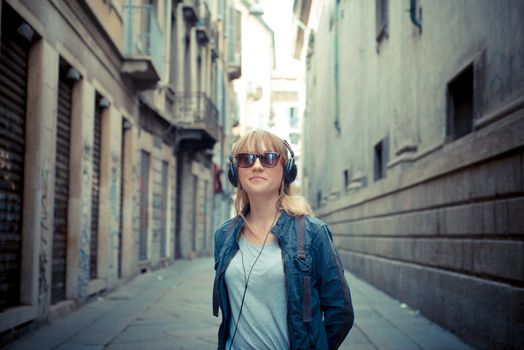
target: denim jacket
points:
(331, 315)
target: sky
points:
(278, 14)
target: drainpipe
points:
(337, 81)
(413, 14)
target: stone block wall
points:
(451, 244)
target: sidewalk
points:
(171, 309)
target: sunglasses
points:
(267, 159)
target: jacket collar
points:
(280, 229)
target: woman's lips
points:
(256, 178)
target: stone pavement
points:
(171, 309)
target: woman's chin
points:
(260, 189)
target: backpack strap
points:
(299, 222)
(301, 253)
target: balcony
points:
(214, 43)
(234, 45)
(143, 46)
(190, 10)
(196, 12)
(203, 24)
(196, 112)
(234, 66)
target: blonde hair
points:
(294, 205)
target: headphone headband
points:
(291, 153)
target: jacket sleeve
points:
(218, 238)
(218, 245)
(218, 242)
(335, 298)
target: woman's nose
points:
(257, 164)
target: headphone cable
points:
(246, 280)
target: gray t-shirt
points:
(263, 323)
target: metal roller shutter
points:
(194, 214)
(163, 210)
(13, 76)
(144, 204)
(93, 254)
(63, 131)
(178, 206)
(121, 207)
(206, 214)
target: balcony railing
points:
(195, 110)
(142, 35)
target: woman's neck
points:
(262, 210)
(262, 216)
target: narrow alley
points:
(171, 309)
(399, 124)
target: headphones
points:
(290, 168)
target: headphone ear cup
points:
(232, 174)
(290, 168)
(290, 171)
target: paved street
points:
(171, 309)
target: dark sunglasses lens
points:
(269, 159)
(245, 160)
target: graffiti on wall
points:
(83, 274)
(43, 283)
(157, 215)
(6, 167)
(115, 212)
(136, 200)
(10, 204)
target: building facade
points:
(253, 88)
(414, 145)
(112, 114)
(286, 116)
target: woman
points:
(279, 282)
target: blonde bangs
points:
(260, 141)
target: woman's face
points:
(260, 180)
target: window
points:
(381, 159)
(294, 137)
(234, 37)
(144, 206)
(460, 104)
(347, 178)
(148, 14)
(381, 7)
(293, 117)
(220, 10)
